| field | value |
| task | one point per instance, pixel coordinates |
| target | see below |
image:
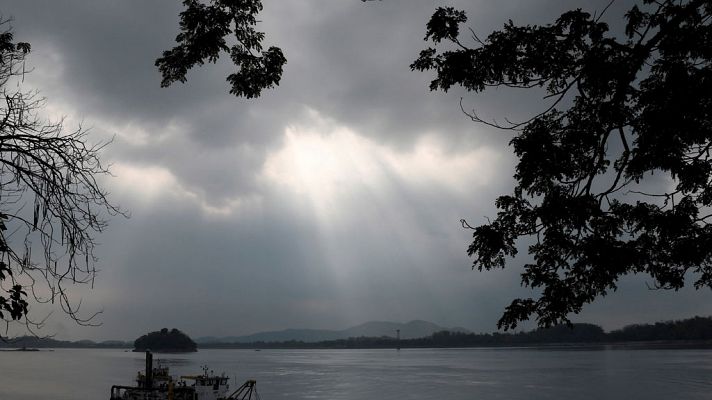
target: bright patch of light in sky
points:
(327, 163)
(147, 183)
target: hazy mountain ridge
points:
(44, 342)
(689, 333)
(410, 330)
(693, 332)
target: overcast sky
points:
(332, 200)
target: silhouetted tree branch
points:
(50, 200)
(620, 110)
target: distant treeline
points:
(697, 329)
(33, 342)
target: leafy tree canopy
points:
(165, 340)
(621, 109)
(204, 29)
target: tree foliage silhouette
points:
(165, 340)
(621, 109)
(204, 28)
(50, 200)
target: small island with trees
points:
(165, 341)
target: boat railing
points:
(119, 392)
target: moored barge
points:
(156, 383)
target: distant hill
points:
(172, 341)
(410, 330)
(39, 342)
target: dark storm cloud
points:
(223, 222)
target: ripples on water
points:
(416, 374)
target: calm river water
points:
(450, 374)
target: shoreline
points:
(593, 346)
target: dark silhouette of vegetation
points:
(697, 328)
(165, 341)
(204, 28)
(50, 199)
(578, 333)
(50, 343)
(620, 109)
(696, 332)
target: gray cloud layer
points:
(330, 201)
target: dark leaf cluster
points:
(204, 33)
